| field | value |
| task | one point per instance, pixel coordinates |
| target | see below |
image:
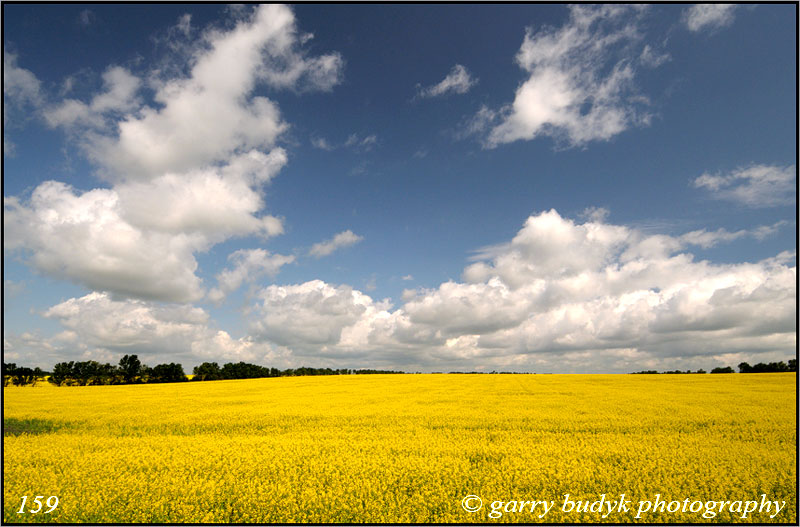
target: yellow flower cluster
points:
(399, 448)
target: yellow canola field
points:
(402, 448)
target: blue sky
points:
(421, 187)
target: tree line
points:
(21, 376)
(130, 370)
(715, 370)
(211, 371)
(772, 367)
(725, 369)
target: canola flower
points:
(399, 448)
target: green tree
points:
(8, 373)
(167, 373)
(103, 374)
(726, 369)
(208, 371)
(131, 367)
(38, 373)
(61, 373)
(23, 376)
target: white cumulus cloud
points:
(83, 237)
(708, 16)
(139, 239)
(118, 98)
(457, 81)
(207, 116)
(311, 317)
(705, 238)
(215, 202)
(560, 296)
(185, 174)
(580, 84)
(249, 265)
(19, 85)
(755, 186)
(106, 329)
(22, 91)
(343, 239)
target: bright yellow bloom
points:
(399, 448)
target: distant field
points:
(399, 448)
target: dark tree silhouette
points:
(167, 373)
(8, 373)
(208, 371)
(131, 367)
(726, 369)
(772, 367)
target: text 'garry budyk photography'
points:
(400, 263)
